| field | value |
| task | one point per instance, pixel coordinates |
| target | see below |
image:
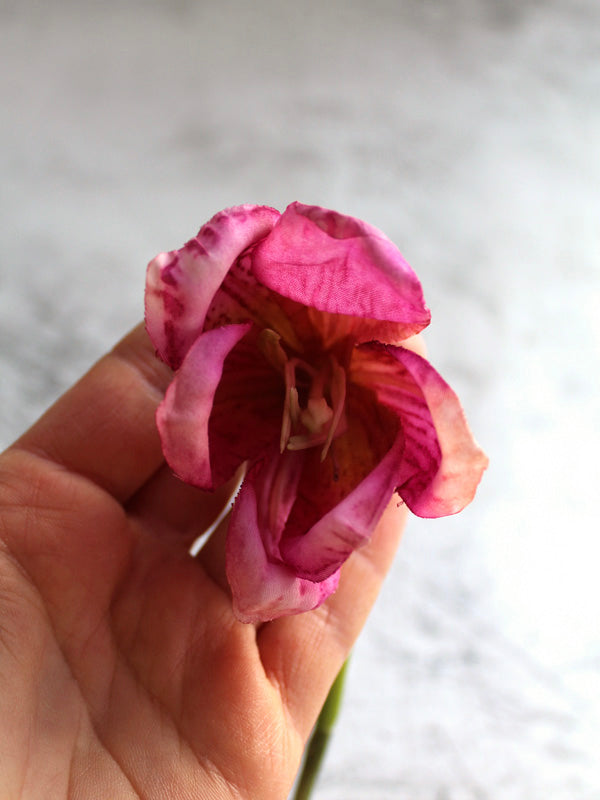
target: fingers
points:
(212, 556)
(303, 654)
(104, 427)
(169, 508)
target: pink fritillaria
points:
(284, 332)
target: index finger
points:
(104, 426)
(302, 654)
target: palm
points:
(133, 678)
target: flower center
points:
(313, 410)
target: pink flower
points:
(280, 329)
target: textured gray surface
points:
(470, 133)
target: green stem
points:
(317, 744)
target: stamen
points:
(291, 405)
(291, 410)
(338, 399)
(269, 343)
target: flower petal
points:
(246, 417)
(263, 589)
(331, 518)
(241, 298)
(442, 463)
(341, 265)
(223, 407)
(181, 284)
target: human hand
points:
(123, 672)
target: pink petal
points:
(247, 408)
(222, 408)
(241, 298)
(314, 545)
(183, 416)
(341, 265)
(181, 284)
(263, 589)
(441, 464)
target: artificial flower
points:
(285, 332)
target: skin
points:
(123, 672)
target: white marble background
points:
(469, 131)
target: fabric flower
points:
(284, 331)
